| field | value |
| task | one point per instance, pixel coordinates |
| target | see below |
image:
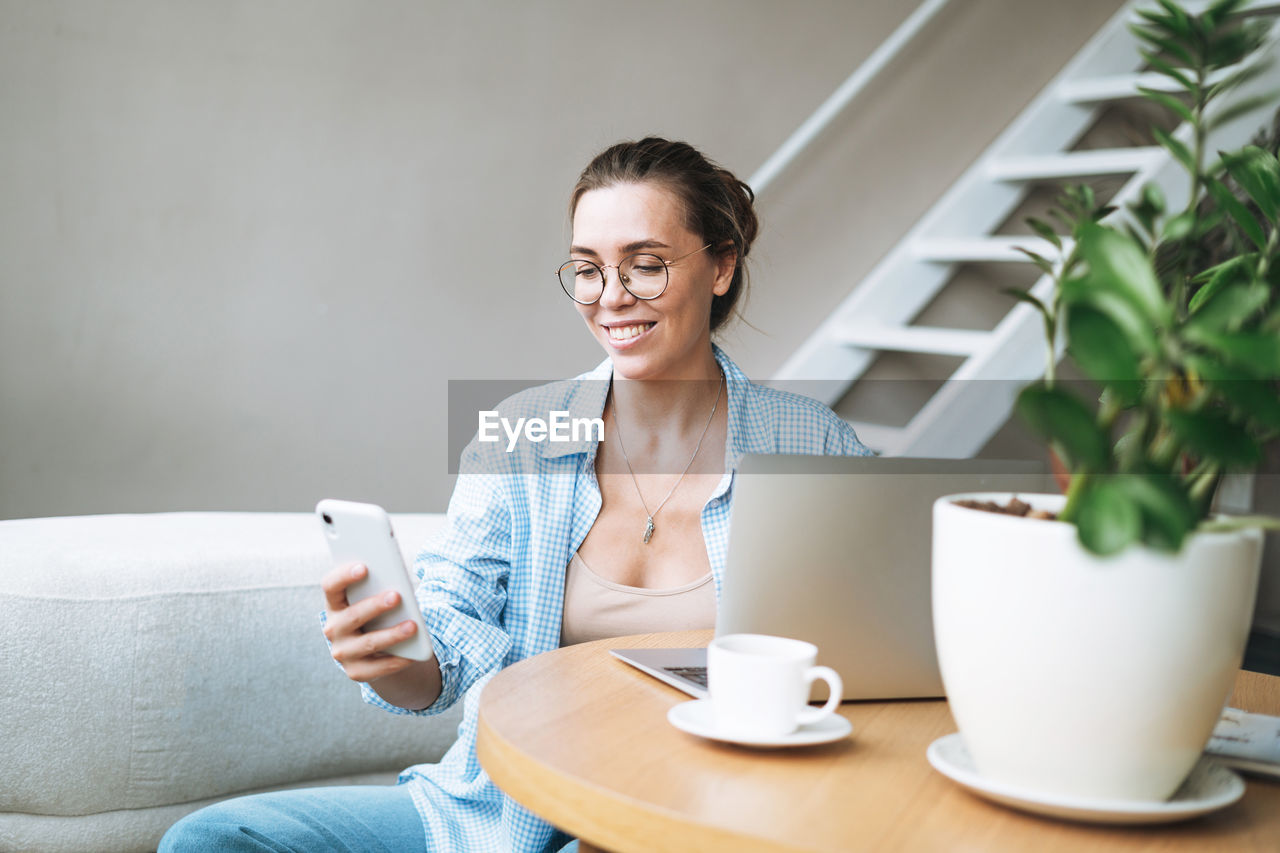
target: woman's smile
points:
(623, 335)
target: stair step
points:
(1113, 87)
(1074, 164)
(1001, 248)
(922, 339)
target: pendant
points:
(648, 530)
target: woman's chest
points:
(649, 531)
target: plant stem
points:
(1180, 295)
(1203, 485)
(1264, 257)
(1074, 492)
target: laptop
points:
(837, 551)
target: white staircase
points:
(970, 406)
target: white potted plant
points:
(1088, 652)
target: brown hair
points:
(717, 206)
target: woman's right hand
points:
(362, 654)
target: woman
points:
(561, 542)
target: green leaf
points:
(1239, 213)
(1181, 23)
(1147, 209)
(1167, 513)
(1211, 435)
(1119, 265)
(1169, 102)
(1180, 152)
(1161, 21)
(1025, 296)
(1229, 271)
(1256, 352)
(1253, 399)
(1168, 70)
(1108, 520)
(1236, 79)
(1085, 197)
(1045, 230)
(1153, 196)
(1179, 226)
(1258, 172)
(1215, 271)
(1065, 420)
(1220, 10)
(1232, 46)
(1242, 107)
(1068, 224)
(1140, 331)
(1045, 265)
(1136, 235)
(1228, 308)
(1102, 350)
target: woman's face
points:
(664, 338)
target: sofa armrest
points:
(169, 658)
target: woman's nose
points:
(614, 293)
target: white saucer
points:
(698, 718)
(1209, 787)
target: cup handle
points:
(809, 716)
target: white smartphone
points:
(361, 533)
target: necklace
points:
(617, 425)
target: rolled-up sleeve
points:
(462, 581)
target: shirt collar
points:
(584, 398)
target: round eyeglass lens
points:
(644, 275)
(582, 280)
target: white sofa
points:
(152, 664)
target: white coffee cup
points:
(759, 685)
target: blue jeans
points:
(355, 819)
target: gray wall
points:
(245, 245)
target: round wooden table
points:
(582, 740)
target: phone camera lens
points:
(328, 519)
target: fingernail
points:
(357, 570)
(389, 598)
(406, 628)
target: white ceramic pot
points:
(1075, 675)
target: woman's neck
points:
(672, 406)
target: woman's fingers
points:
(371, 669)
(364, 655)
(350, 620)
(335, 584)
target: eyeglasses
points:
(644, 276)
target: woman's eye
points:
(588, 273)
(647, 269)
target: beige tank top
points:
(595, 608)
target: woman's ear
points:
(726, 264)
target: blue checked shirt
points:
(491, 585)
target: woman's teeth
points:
(621, 333)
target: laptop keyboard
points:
(696, 674)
